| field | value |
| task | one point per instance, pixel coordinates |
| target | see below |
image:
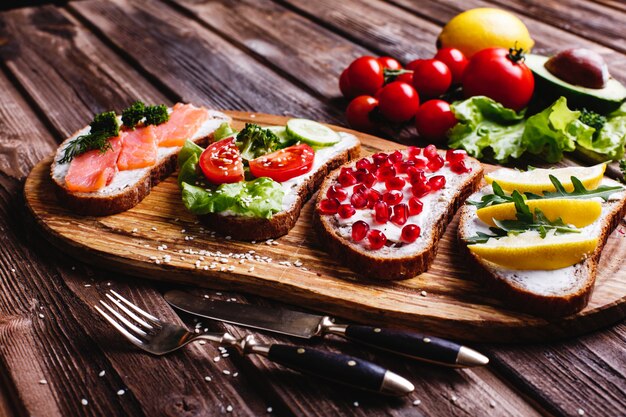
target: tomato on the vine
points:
(389, 63)
(358, 112)
(398, 101)
(344, 85)
(365, 76)
(433, 119)
(455, 60)
(284, 164)
(431, 77)
(501, 75)
(221, 162)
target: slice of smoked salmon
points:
(93, 170)
(139, 149)
(184, 122)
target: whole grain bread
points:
(128, 187)
(530, 292)
(255, 228)
(392, 263)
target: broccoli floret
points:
(155, 115)
(254, 141)
(105, 123)
(133, 114)
(103, 127)
(593, 119)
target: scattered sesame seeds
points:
(417, 402)
(84, 401)
(43, 381)
(121, 392)
(101, 374)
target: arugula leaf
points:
(498, 197)
(481, 237)
(579, 192)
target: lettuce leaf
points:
(611, 138)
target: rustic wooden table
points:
(60, 65)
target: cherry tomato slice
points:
(221, 162)
(284, 164)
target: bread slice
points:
(128, 188)
(544, 293)
(298, 190)
(404, 260)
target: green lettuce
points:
(611, 138)
(223, 131)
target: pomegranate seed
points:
(365, 164)
(402, 166)
(373, 197)
(369, 180)
(376, 238)
(359, 230)
(400, 214)
(455, 155)
(329, 206)
(416, 175)
(393, 197)
(414, 151)
(345, 170)
(358, 200)
(420, 189)
(437, 182)
(396, 156)
(459, 167)
(381, 212)
(360, 175)
(410, 233)
(346, 179)
(385, 173)
(335, 192)
(415, 206)
(395, 183)
(346, 211)
(359, 188)
(419, 163)
(430, 151)
(380, 158)
(435, 164)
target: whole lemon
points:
(482, 28)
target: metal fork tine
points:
(134, 307)
(127, 311)
(121, 329)
(123, 319)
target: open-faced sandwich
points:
(251, 184)
(536, 236)
(111, 165)
(383, 215)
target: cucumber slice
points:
(313, 133)
(283, 136)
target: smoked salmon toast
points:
(100, 175)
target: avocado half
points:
(601, 100)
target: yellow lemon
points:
(537, 181)
(482, 28)
(580, 213)
(528, 251)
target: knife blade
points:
(305, 325)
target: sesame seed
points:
(216, 359)
(121, 392)
(154, 228)
(101, 374)
(356, 403)
(84, 401)
(453, 398)
(207, 378)
(41, 316)
(417, 402)
(87, 285)
(492, 404)
(235, 374)
(43, 381)
(270, 409)
(226, 372)
(423, 293)
(135, 230)
(581, 412)
(229, 409)
(202, 342)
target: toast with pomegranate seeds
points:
(117, 177)
(383, 215)
(554, 290)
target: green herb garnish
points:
(254, 141)
(132, 115)
(622, 167)
(103, 127)
(155, 115)
(593, 119)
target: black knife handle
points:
(339, 368)
(414, 345)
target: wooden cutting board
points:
(443, 301)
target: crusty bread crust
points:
(371, 265)
(96, 204)
(538, 304)
(254, 228)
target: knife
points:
(306, 326)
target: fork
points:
(158, 337)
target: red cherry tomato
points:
(344, 85)
(358, 112)
(398, 101)
(389, 63)
(455, 60)
(433, 119)
(500, 75)
(365, 75)
(285, 163)
(405, 78)
(221, 162)
(431, 77)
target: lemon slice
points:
(538, 180)
(528, 251)
(580, 213)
